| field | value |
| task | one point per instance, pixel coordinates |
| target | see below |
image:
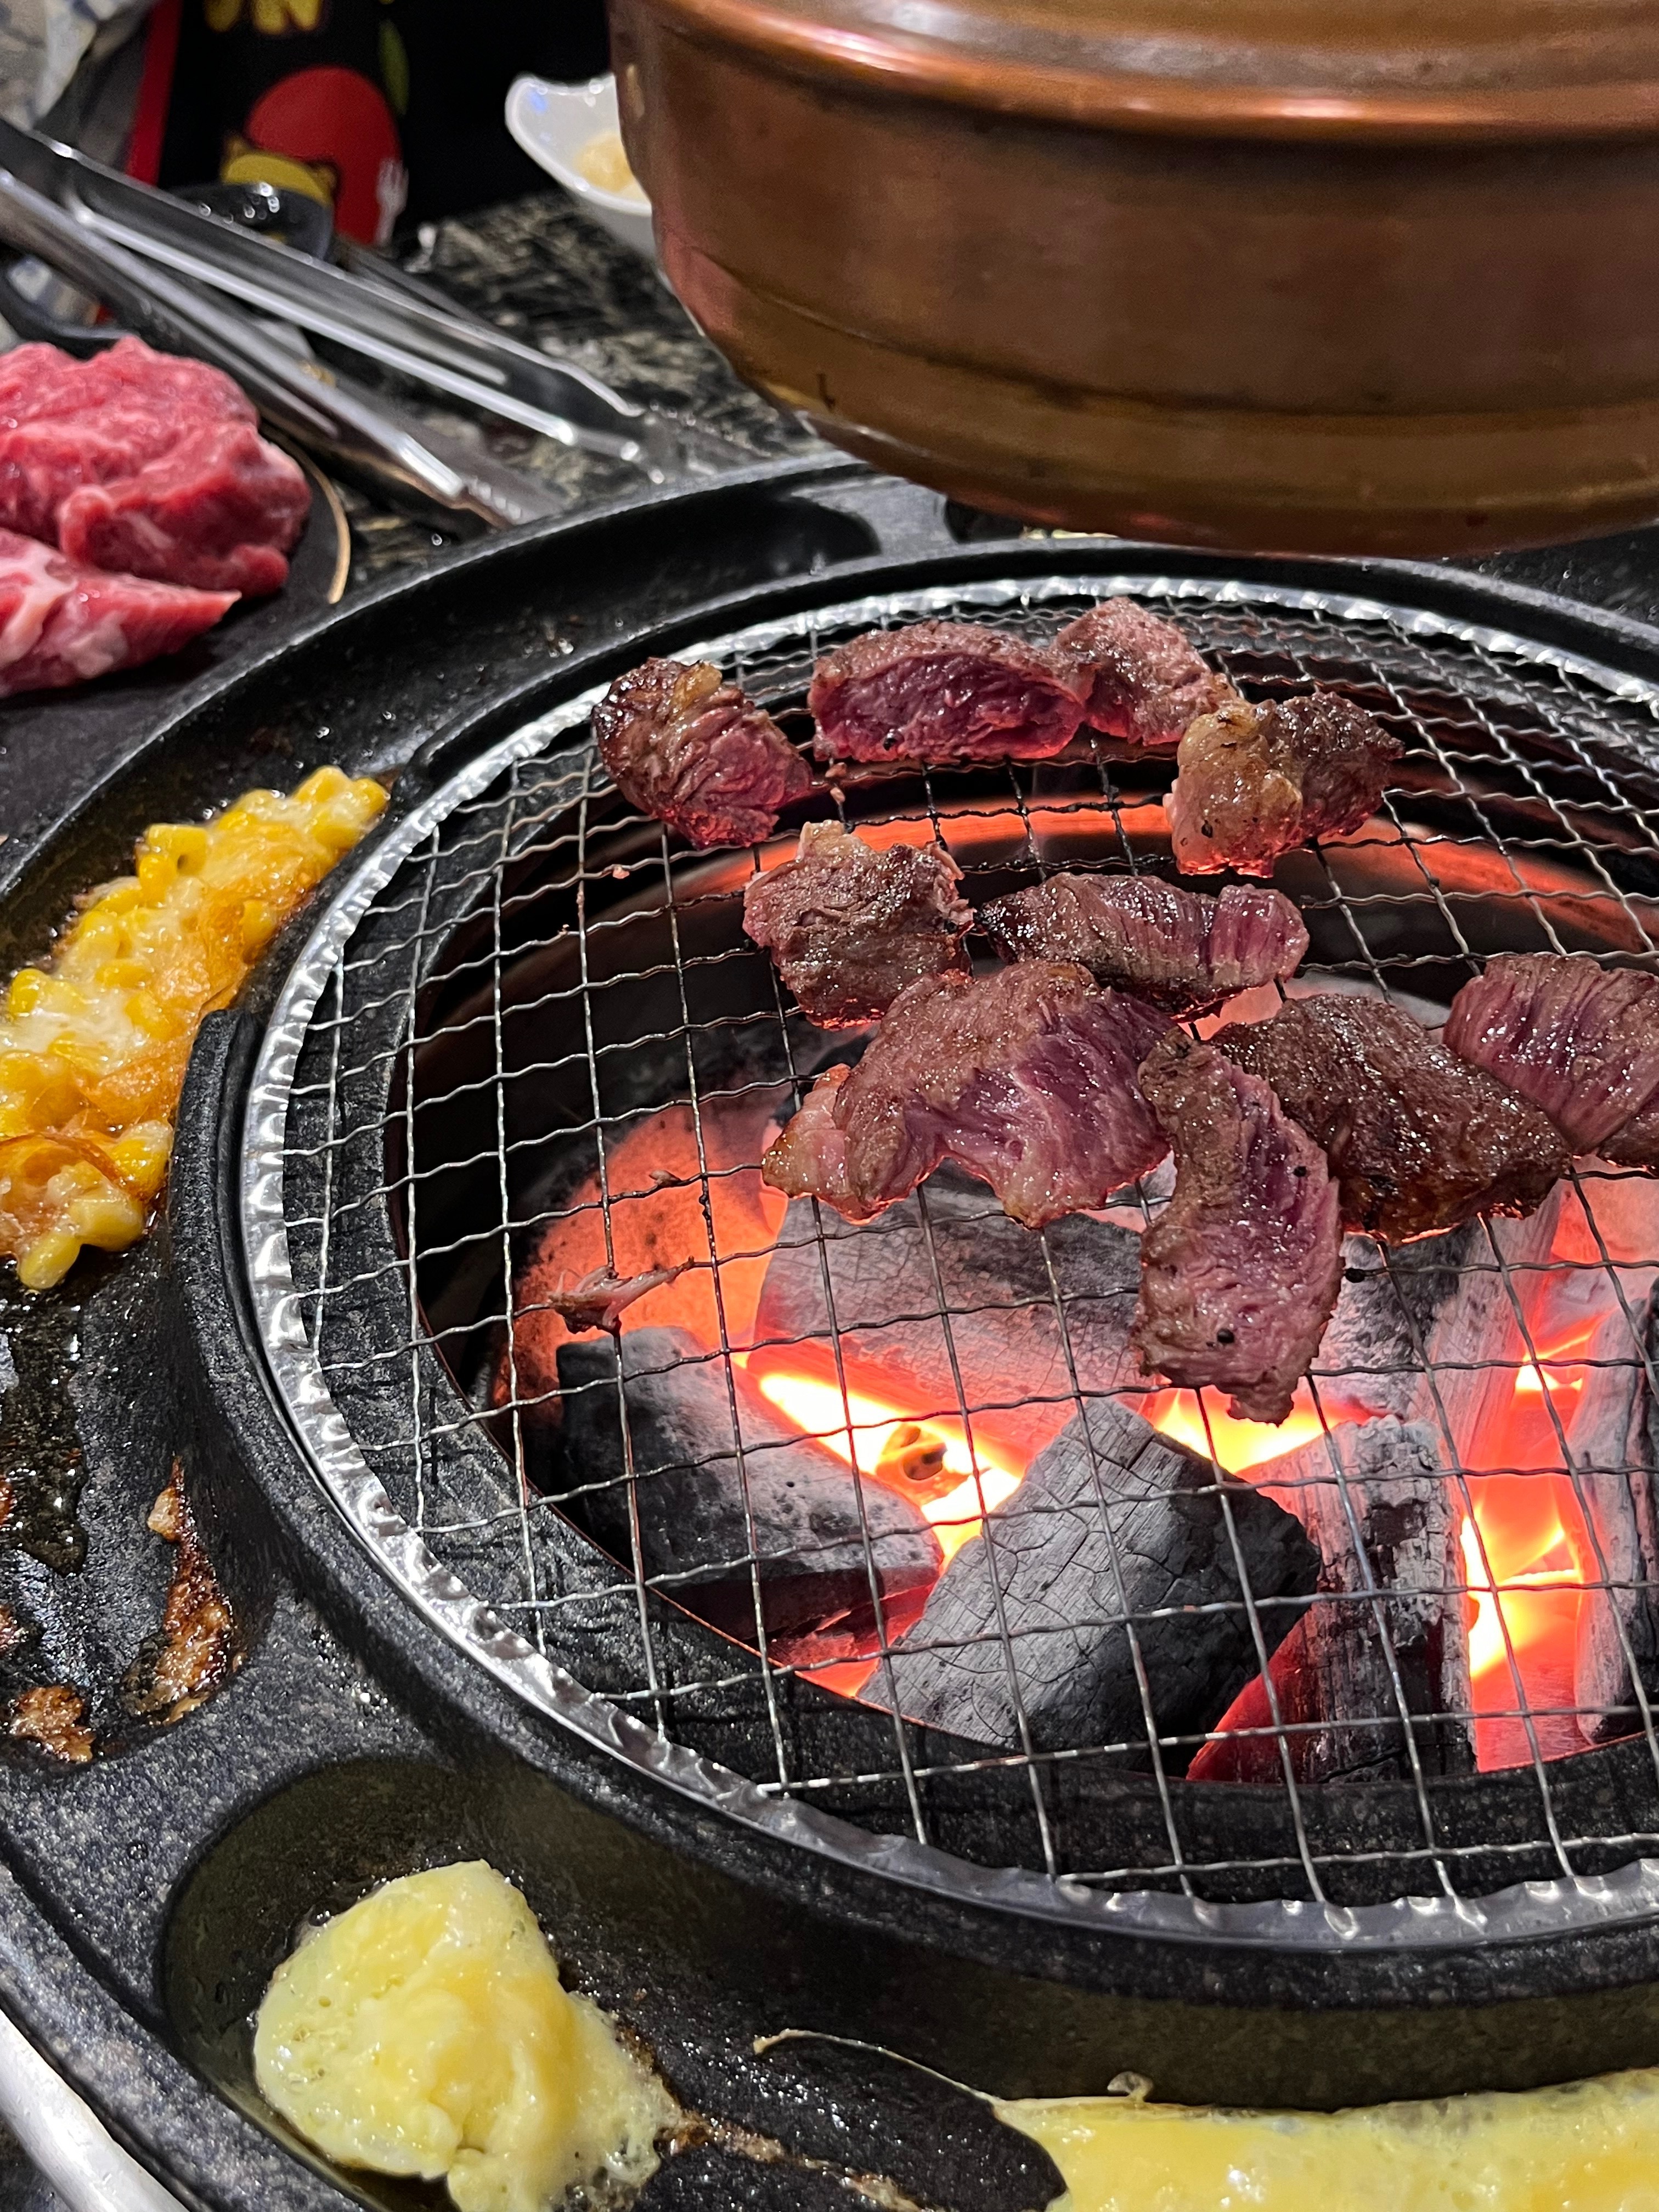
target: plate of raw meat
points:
(139, 507)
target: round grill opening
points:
(530, 1046)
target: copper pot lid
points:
(1386, 71)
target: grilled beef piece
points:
(1033, 1319)
(693, 750)
(1581, 1041)
(1255, 781)
(1417, 1138)
(1183, 951)
(1025, 1078)
(1241, 1271)
(1136, 674)
(1637, 1145)
(703, 1514)
(940, 691)
(1113, 1525)
(848, 927)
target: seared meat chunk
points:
(1255, 781)
(1240, 1273)
(693, 750)
(848, 927)
(940, 691)
(1637, 1145)
(1417, 1138)
(1025, 1078)
(1138, 676)
(1183, 951)
(1581, 1041)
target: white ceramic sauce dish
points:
(554, 124)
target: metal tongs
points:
(170, 270)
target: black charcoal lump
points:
(1114, 1528)
(724, 1484)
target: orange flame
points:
(1234, 1445)
(1547, 1374)
(1526, 1554)
(859, 1428)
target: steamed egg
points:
(1591, 2146)
(425, 2032)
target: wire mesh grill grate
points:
(546, 1036)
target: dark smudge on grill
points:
(1113, 1527)
(1390, 1630)
(816, 1535)
(949, 1249)
(40, 1469)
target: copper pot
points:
(1343, 275)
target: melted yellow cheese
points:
(425, 2032)
(93, 1046)
(1592, 2147)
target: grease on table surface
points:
(425, 2030)
(1590, 2147)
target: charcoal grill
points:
(525, 970)
(512, 978)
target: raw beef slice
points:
(144, 463)
(61, 624)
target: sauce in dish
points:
(603, 162)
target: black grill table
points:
(537, 269)
(541, 270)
